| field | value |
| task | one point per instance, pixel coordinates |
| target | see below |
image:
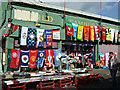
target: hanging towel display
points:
(40, 37)
(86, 33)
(103, 33)
(119, 36)
(108, 34)
(112, 34)
(9, 30)
(56, 34)
(116, 36)
(57, 57)
(49, 40)
(80, 33)
(49, 58)
(102, 59)
(69, 29)
(75, 28)
(24, 32)
(15, 28)
(92, 33)
(15, 58)
(24, 58)
(97, 32)
(31, 40)
(32, 58)
(40, 58)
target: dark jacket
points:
(115, 63)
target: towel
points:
(116, 36)
(92, 33)
(112, 34)
(75, 28)
(24, 58)
(103, 33)
(49, 58)
(32, 58)
(40, 37)
(80, 33)
(69, 29)
(40, 58)
(15, 58)
(49, 40)
(108, 34)
(97, 32)
(31, 39)
(56, 57)
(24, 32)
(86, 33)
(56, 34)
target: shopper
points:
(113, 68)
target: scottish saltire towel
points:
(15, 28)
(97, 32)
(32, 58)
(49, 58)
(80, 33)
(112, 34)
(15, 58)
(103, 33)
(75, 28)
(86, 33)
(116, 36)
(69, 29)
(92, 33)
(24, 58)
(56, 57)
(40, 58)
(40, 37)
(9, 30)
(49, 40)
(108, 34)
(31, 40)
(24, 32)
(119, 36)
(56, 34)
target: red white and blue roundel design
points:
(24, 58)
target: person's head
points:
(111, 54)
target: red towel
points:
(6, 34)
(49, 58)
(69, 29)
(103, 33)
(15, 58)
(86, 33)
(32, 58)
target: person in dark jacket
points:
(113, 68)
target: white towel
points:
(24, 33)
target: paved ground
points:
(104, 80)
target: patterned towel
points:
(31, 40)
(56, 57)
(116, 36)
(56, 34)
(15, 58)
(103, 33)
(75, 28)
(69, 29)
(49, 58)
(80, 33)
(40, 37)
(92, 33)
(86, 33)
(40, 58)
(32, 58)
(24, 32)
(24, 58)
(49, 40)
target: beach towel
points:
(56, 34)
(69, 29)
(86, 33)
(49, 58)
(92, 33)
(75, 28)
(80, 33)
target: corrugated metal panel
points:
(67, 9)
